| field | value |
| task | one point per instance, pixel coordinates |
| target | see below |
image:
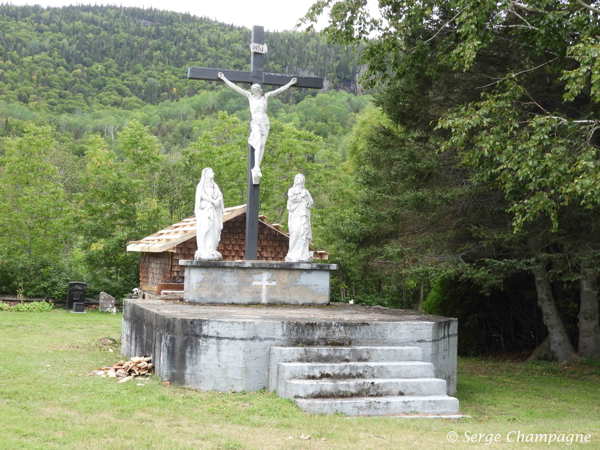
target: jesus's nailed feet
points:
(256, 174)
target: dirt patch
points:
(107, 342)
(70, 347)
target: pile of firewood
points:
(135, 367)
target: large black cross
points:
(256, 76)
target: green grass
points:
(48, 401)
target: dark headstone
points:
(76, 293)
(78, 307)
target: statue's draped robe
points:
(299, 224)
(209, 220)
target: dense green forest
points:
(81, 58)
(468, 181)
(480, 171)
(103, 138)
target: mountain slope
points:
(79, 57)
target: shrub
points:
(32, 307)
(35, 277)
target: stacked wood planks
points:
(127, 370)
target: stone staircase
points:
(359, 381)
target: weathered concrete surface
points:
(338, 355)
(378, 380)
(376, 406)
(348, 371)
(227, 347)
(256, 282)
(373, 387)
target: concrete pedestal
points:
(256, 282)
(225, 348)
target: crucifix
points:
(259, 124)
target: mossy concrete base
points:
(226, 348)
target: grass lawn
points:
(47, 401)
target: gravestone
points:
(75, 293)
(107, 302)
(78, 307)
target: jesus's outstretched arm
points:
(281, 89)
(233, 86)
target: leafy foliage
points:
(40, 276)
(103, 138)
(79, 58)
(501, 99)
(32, 198)
(33, 307)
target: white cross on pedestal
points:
(264, 283)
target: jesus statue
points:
(259, 125)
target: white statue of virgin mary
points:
(209, 217)
(299, 221)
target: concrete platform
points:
(256, 282)
(228, 347)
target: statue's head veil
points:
(299, 179)
(204, 176)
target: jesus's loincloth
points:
(259, 132)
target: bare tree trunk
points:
(589, 327)
(559, 340)
(422, 295)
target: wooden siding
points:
(154, 268)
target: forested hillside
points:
(474, 176)
(78, 58)
(103, 138)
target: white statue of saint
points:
(299, 221)
(209, 217)
(259, 125)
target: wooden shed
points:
(160, 253)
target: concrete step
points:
(338, 355)
(380, 406)
(352, 370)
(373, 387)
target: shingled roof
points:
(186, 229)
